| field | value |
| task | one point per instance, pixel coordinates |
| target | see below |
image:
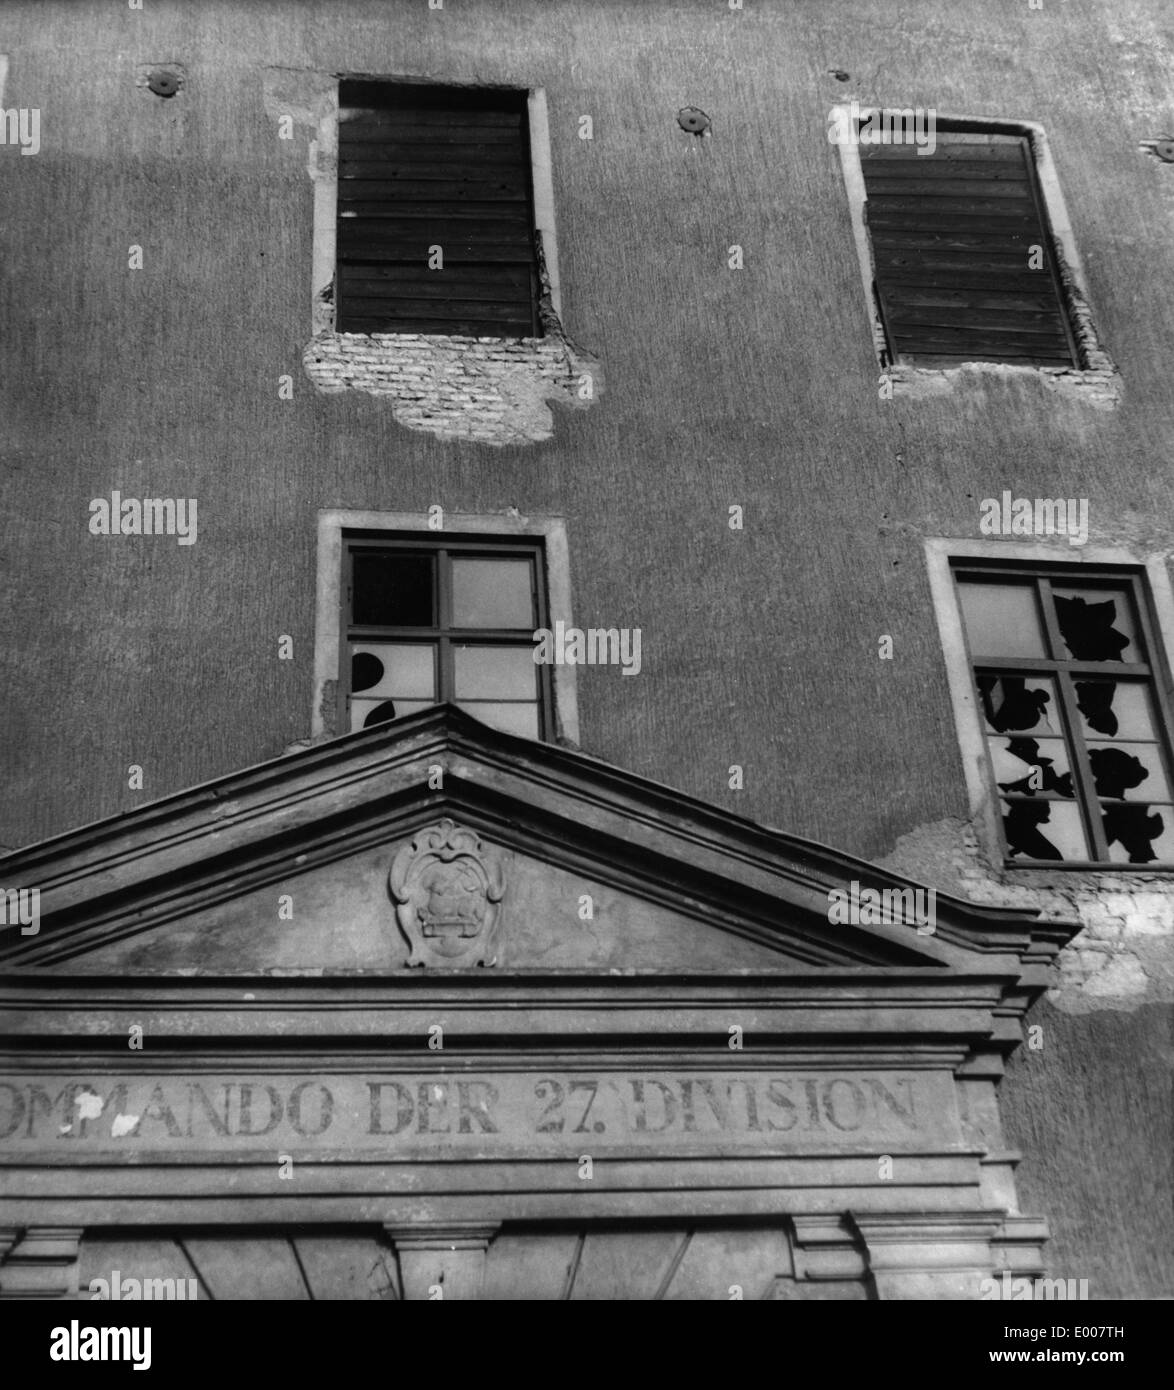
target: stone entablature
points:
(703, 1047)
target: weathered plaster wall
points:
(1123, 957)
(1091, 1112)
(754, 387)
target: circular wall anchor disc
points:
(695, 121)
(163, 83)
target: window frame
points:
(443, 635)
(1093, 366)
(323, 169)
(328, 713)
(450, 99)
(1062, 672)
(1150, 575)
(892, 355)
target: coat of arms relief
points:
(447, 890)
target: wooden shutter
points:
(422, 167)
(952, 234)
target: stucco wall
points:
(754, 387)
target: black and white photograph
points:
(587, 635)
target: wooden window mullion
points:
(346, 608)
(1082, 779)
(1081, 767)
(446, 683)
(1046, 604)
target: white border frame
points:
(967, 719)
(323, 167)
(332, 523)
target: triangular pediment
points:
(438, 842)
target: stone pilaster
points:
(441, 1261)
(934, 1255)
(39, 1262)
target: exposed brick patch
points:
(1098, 386)
(1124, 955)
(491, 390)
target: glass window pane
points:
(509, 718)
(394, 668)
(1115, 709)
(1032, 766)
(1128, 772)
(1044, 830)
(365, 714)
(1097, 624)
(492, 593)
(390, 589)
(1001, 620)
(1018, 704)
(1139, 834)
(495, 673)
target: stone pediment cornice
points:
(189, 853)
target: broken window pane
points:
(1130, 771)
(1079, 757)
(492, 593)
(1115, 709)
(1096, 624)
(406, 669)
(1139, 834)
(509, 718)
(365, 714)
(1031, 766)
(1044, 830)
(495, 673)
(391, 589)
(1018, 704)
(1001, 620)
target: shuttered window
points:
(952, 235)
(435, 212)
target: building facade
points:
(358, 354)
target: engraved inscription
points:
(540, 1110)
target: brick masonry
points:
(487, 390)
